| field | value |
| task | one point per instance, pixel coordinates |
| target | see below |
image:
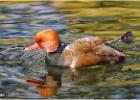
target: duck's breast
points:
(55, 59)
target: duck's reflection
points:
(90, 75)
(48, 85)
(81, 76)
(51, 84)
(49, 88)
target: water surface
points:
(19, 22)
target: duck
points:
(82, 52)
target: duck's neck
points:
(59, 49)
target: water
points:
(19, 22)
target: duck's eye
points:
(38, 40)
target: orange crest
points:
(48, 39)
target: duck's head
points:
(47, 39)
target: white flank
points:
(73, 64)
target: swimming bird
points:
(83, 52)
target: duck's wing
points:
(106, 51)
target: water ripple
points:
(25, 19)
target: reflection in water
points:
(91, 75)
(47, 85)
(49, 88)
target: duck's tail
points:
(127, 38)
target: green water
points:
(73, 20)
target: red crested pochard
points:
(80, 53)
